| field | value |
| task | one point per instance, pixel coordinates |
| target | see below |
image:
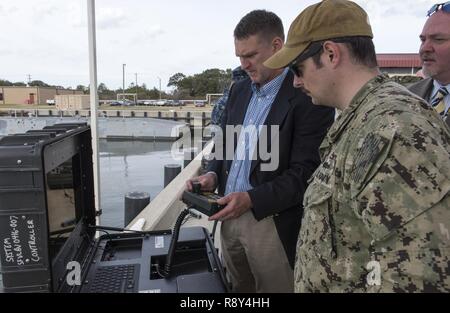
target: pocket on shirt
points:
(317, 233)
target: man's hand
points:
(207, 181)
(236, 204)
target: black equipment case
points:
(47, 227)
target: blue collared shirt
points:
(255, 117)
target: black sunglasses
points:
(440, 6)
(312, 50)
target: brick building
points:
(399, 64)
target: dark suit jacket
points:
(279, 193)
(423, 89)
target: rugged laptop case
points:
(47, 227)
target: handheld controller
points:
(204, 202)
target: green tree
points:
(82, 88)
(198, 85)
(104, 93)
(175, 79)
(21, 84)
(4, 82)
(38, 83)
(153, 93)
(102, 88)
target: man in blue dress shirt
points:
(272, 157)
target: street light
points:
(159, 88)
(123, 86)
(136, 98)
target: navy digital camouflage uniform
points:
(238, 74)
(377, 211)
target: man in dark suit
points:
(263, 192)
(435, 55)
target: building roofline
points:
(39, 87)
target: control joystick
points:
(204, 202)
(196, 187)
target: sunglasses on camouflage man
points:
(312, 50)
(440, 6)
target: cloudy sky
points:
(48, 40)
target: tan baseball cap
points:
(321, 21)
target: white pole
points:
(159, 88)
(94, 102)
(123, 81)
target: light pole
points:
(159, 88)
(123, 81)
(136, 88)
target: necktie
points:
(438, 102)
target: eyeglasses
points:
(312, 50)
(294, 68)
(440, 6)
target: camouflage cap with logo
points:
(321, 21)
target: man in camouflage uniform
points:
(377, 210)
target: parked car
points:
(174, 103)
(160, 102)
(145, 102)
(199, 103)
(122, 102)
(127, 102)
(50, 102)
